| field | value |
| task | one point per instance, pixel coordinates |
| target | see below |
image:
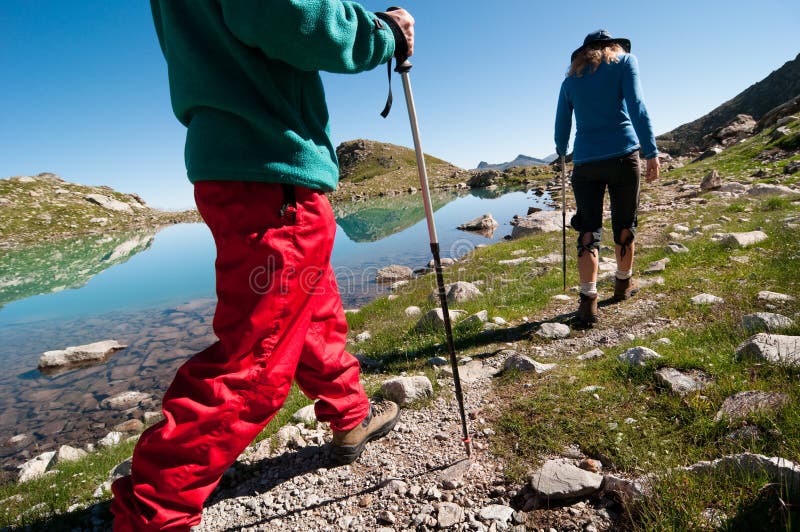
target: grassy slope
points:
(48, 208)
(539, 420)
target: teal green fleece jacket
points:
(244, 80)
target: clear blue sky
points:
(84, 91)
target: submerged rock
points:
(78, 356)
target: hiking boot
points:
(625, 288)
(587, 310)
(348, 445)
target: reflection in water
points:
(376, 218)
(64, 264)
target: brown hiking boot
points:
(348, 445)
(625, 288)
(587, 310)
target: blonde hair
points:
(592, 56)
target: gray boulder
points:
(459, 292)
(559, 479)
(538, 222)
(638, 356)
(678, 382)
(484, 222)
(108, 203)
(405, 390)
(118, 471)
(496, 512)
(676, 247)
(764, 189)
(706, 299)
(753, 402)
(743, 240)
(449, 514)
(712, 181)
(749, 465)
(394, 272)
(80, 355)
(553, 330)
(766, 321)
(523, 363)
(773, 348)
(434, 319)
(305, 415)
(36, 467)
(67, 453)
(774, 297)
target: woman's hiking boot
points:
(625, 288)
(587, 310)
(348, 445)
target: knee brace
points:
(589, 241)
(625, 243)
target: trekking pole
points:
(564, 220)
(403, 69)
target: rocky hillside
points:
(520, 160)
(371, 168)
(40, 208)
(757, 100)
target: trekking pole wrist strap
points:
(400, 53)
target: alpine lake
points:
(154, 293)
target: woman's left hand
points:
(653, 169)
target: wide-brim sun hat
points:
(602, 36)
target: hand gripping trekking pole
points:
(403, 69)
(564, 220)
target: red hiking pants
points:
(279, 318)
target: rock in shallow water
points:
(81, 355)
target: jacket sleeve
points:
(563, 122)
(634, 101)
(330, 35)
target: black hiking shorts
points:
(589, 182)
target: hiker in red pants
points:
(244, 79)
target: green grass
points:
(669, 430)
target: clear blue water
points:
(155, 294)
(179, 266)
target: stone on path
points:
(638, 356)
(482, 223)
(405, 390)
(496, 512)
(290, 437)
(774, 297)
(559, 479)
(449, 514)
(523, 363)
(36, 467)
(553, 330)
(94, 353)
(434, 319)
(774, 348)
(706, 299)
(538, 222)
(678, 382)
(394, 272)
(753, 402)
(766, 321)
(743, 240)
(305, 415)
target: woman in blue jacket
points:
(602, 89)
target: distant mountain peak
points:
(520, 160)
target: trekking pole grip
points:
(403, 67)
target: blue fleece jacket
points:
(610, 115)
